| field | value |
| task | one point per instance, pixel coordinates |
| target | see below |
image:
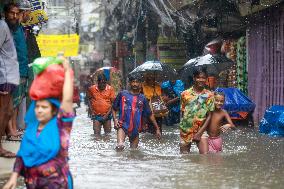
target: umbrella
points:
(214, 64)
(163, 71)
(106, 68)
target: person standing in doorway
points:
(9, 79)
(12, 17)
(32, 45)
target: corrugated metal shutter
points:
(266, 61)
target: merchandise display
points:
(242, 74)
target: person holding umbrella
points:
(196, 103)
(154, 71)
(152, 89)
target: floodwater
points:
(249, 160)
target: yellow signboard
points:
(51, 45)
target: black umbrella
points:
(160, 70)
(214, 64)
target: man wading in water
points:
(132, 106)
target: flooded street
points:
(207, 61)
(249, 160)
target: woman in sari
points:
(43, 155)
(196, 103)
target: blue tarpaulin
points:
(236, 101)
(273, 121)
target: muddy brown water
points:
(249, 160)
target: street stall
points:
(236, 75)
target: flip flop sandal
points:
(7, 154)
(21, 131)
(14, 138)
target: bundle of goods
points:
(238, 105)
(49, 80)
(228, 78)
(229, 48)
(223, 79)
(273, 121)
(232, 76)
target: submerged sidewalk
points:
(6, 164)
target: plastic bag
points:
(158, 107)
(48, 83)
(42, 63)
(273, 121)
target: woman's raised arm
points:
(67, 99)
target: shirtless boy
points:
(214, 124)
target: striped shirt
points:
(132, 108)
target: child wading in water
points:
(214, 124)
(132, 107)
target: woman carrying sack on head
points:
(43, 155)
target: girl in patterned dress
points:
(43, 155)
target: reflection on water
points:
(249, 160)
